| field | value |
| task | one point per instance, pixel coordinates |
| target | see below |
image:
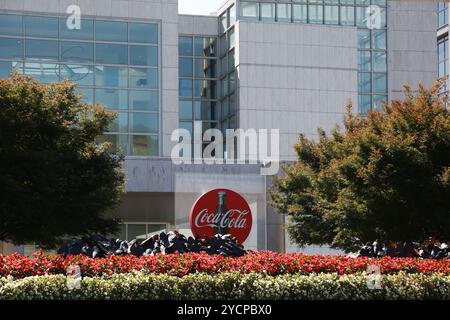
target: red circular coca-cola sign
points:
(221, 211)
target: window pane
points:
(223, 45)
(144, 55)
(331, 14)
(144, 100)
(144, 122)
(77, 52)
(348, 16)
(185, 46)
(6, 67)
(379, 61)
(300, 13)
(361, 16)
(250, 10)
(364, 84)
(41, 27)
(43, 72)
(85, 33)
(120, 124)
(11, 49)
(185, 111)
(267, 11)
(106, 76)
(41, 49)
(365, 103)
(379, 82)
(185, 67)
(232, 14)
(223, 22)
(364, 61)
(111, 53)
(205, 68)
(80, 74)
(284, 12)
(205, 47)
(145, 146)
(378, 100)
(315, 14)
(231, 39)
(205, 110)
(112, 98)
(144, 32)
(119, 142)
(87, 94)
(205, 89)
(145, 78)
(111, 31)
(363, 39)
(185, 88)
(379, 40)
(10, 25)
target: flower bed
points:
(269, 263)
(235, 286)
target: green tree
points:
(387, 177)
(55, 179)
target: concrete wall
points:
(201, 25)
(412, 54)
(294, 77)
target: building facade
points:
(290, 65)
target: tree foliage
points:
(55, 179)
(386, 177)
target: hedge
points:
(201, 286)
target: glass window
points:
(347, 2)
(331, 14)
(378, 101)
(205, 47)
(365, 103)
(120, 124)
(363, 39)
(42, 72)
(144, 32)
(205, 89)
(46, 27)
(364, 61)
(41, 49)
(137, 231)
(364, 84)
(268, 11)
(186, 67)
(111, 53)
(144, 122)
(205, 110)
(300, 13)
(231, 61)
(442, 14)
(185, 46)
(111, 31)
(224, 83)
(232, 15)
(284, 12)
(145, 78)
(379, 82)
(231, 38)
(379, 61)
(205, 68)
(80, 74)
(379, 39)
(77, 52)
(185, 88)
(144, 55)
(10, 25)
(119, 142)
(223, 45)
(6, 67)
(112, 98)
(11, 48)
(223, 22)
(187, 126)
(144, 100)
(185, 111)
(250, 10)
(87, 94)
(144, 146)
(347, 16)
(361, 16)
(107, 76)
(85, 33)
(315, 14)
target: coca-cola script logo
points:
(221, 211)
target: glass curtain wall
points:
(115, 63)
